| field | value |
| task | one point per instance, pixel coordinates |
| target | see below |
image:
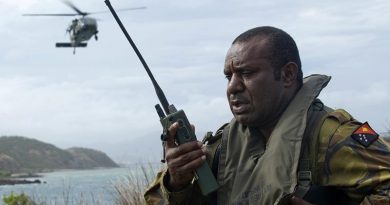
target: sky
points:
(101, 98)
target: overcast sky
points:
(101, 97)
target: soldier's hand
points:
(298, 201)
(182, 160)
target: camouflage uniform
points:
(360, 171)
(363, 173)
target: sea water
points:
(74, 186)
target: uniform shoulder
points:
(212, 142)
(352, 155)
(335, 127)
(337, 123)
(212, 138)
(339, 126)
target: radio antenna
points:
(159, 92)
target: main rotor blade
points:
(79, 12)
(50, 14)
(127, 9)
(71, 5)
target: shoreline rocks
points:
(19, 181)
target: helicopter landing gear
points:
(96, 37)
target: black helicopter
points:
(81, 29)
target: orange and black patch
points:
(365, 135)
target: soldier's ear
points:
(289, 74)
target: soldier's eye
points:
(228, 77)
(246, 73)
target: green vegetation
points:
(17, 199)
(21, 154)
(4, 174)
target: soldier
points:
(72, 27)
(283, 146)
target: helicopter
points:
(81, 29)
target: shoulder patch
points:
(365, 135)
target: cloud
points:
(366, 103)
(32, 106)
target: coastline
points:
(31, 178)
(10, 181)
(20, 178)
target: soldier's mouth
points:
(239, 107)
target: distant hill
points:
(85, 158)
(24, 154)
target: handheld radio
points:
(169, 115)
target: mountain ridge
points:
(22, 154)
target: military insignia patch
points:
(365, 135)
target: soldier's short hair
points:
(281, 45)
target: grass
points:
(130, 190)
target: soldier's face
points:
(255, 97)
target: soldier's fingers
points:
(170, 142)
(183, 149)
(298, 201)
(186, 158)
(190, 166)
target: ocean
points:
(75, 187)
